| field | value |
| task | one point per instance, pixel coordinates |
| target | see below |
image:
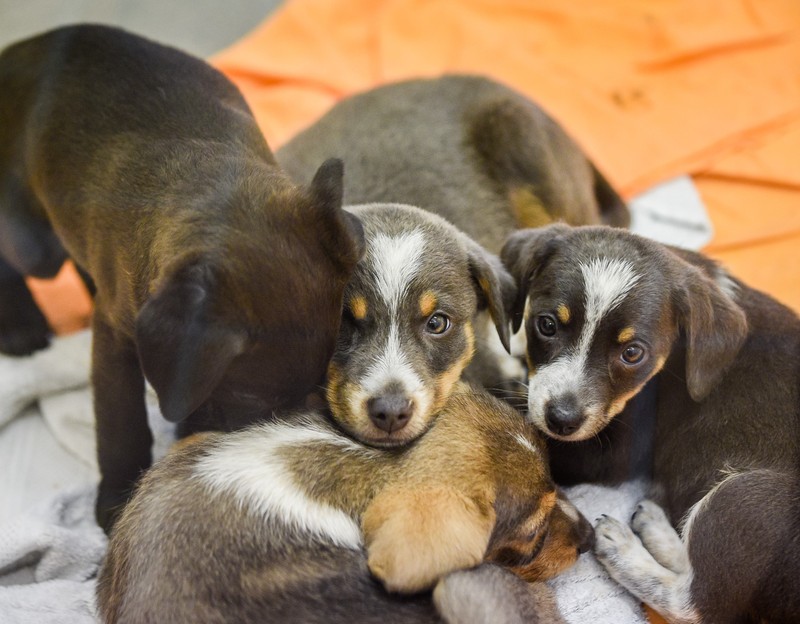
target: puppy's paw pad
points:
(649, 516)
(612, 538)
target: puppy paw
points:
(414, 537)
(614, 541)
(652, 526)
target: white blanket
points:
(50, 554)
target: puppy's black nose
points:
(563, 416)
(390, 412)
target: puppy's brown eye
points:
(633, 354)
(546, 325)
(437, 324)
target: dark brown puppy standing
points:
(218, 279)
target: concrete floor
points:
(201, 27)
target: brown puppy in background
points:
(287, 521)
(471, 150)
(654, 362)
(218, 279)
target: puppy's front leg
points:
(633, 567)
(414, 536)
(124, 440)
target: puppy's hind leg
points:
(489, 594)
(743, 538)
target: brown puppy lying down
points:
(145, 166)
(291, 521)
(649, 359)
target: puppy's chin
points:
(366, 433)
(591, 426)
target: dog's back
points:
(465, 147)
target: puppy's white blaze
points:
(606, 282)
(525, 443)
(391, 366)
(249, 466)
(394, 260)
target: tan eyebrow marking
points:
(626, 334)
(358, 306)
(427, 303)
(564, 314)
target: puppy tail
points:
(492, 595)
(613, 209)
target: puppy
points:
(654, 361)
(407, 332)
(290, 521)
(471, 150)
(146, 167)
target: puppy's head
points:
(537, 531)
(407, 332)
(250, 311)
(602, 310)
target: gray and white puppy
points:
(471, 150)
(408, 326)
(654, 361)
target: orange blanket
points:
(650, 88)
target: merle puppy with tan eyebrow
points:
(408, 327)
(219, 280)
(652, 361)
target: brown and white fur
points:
(407, 332)
(652, 361)
(471, 150)
(291, 521)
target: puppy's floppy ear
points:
(715, 329)
(495, 287)
(343, 234)
(183, 351)
(524, 253)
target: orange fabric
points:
(64, 300)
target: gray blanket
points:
(50, 554)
